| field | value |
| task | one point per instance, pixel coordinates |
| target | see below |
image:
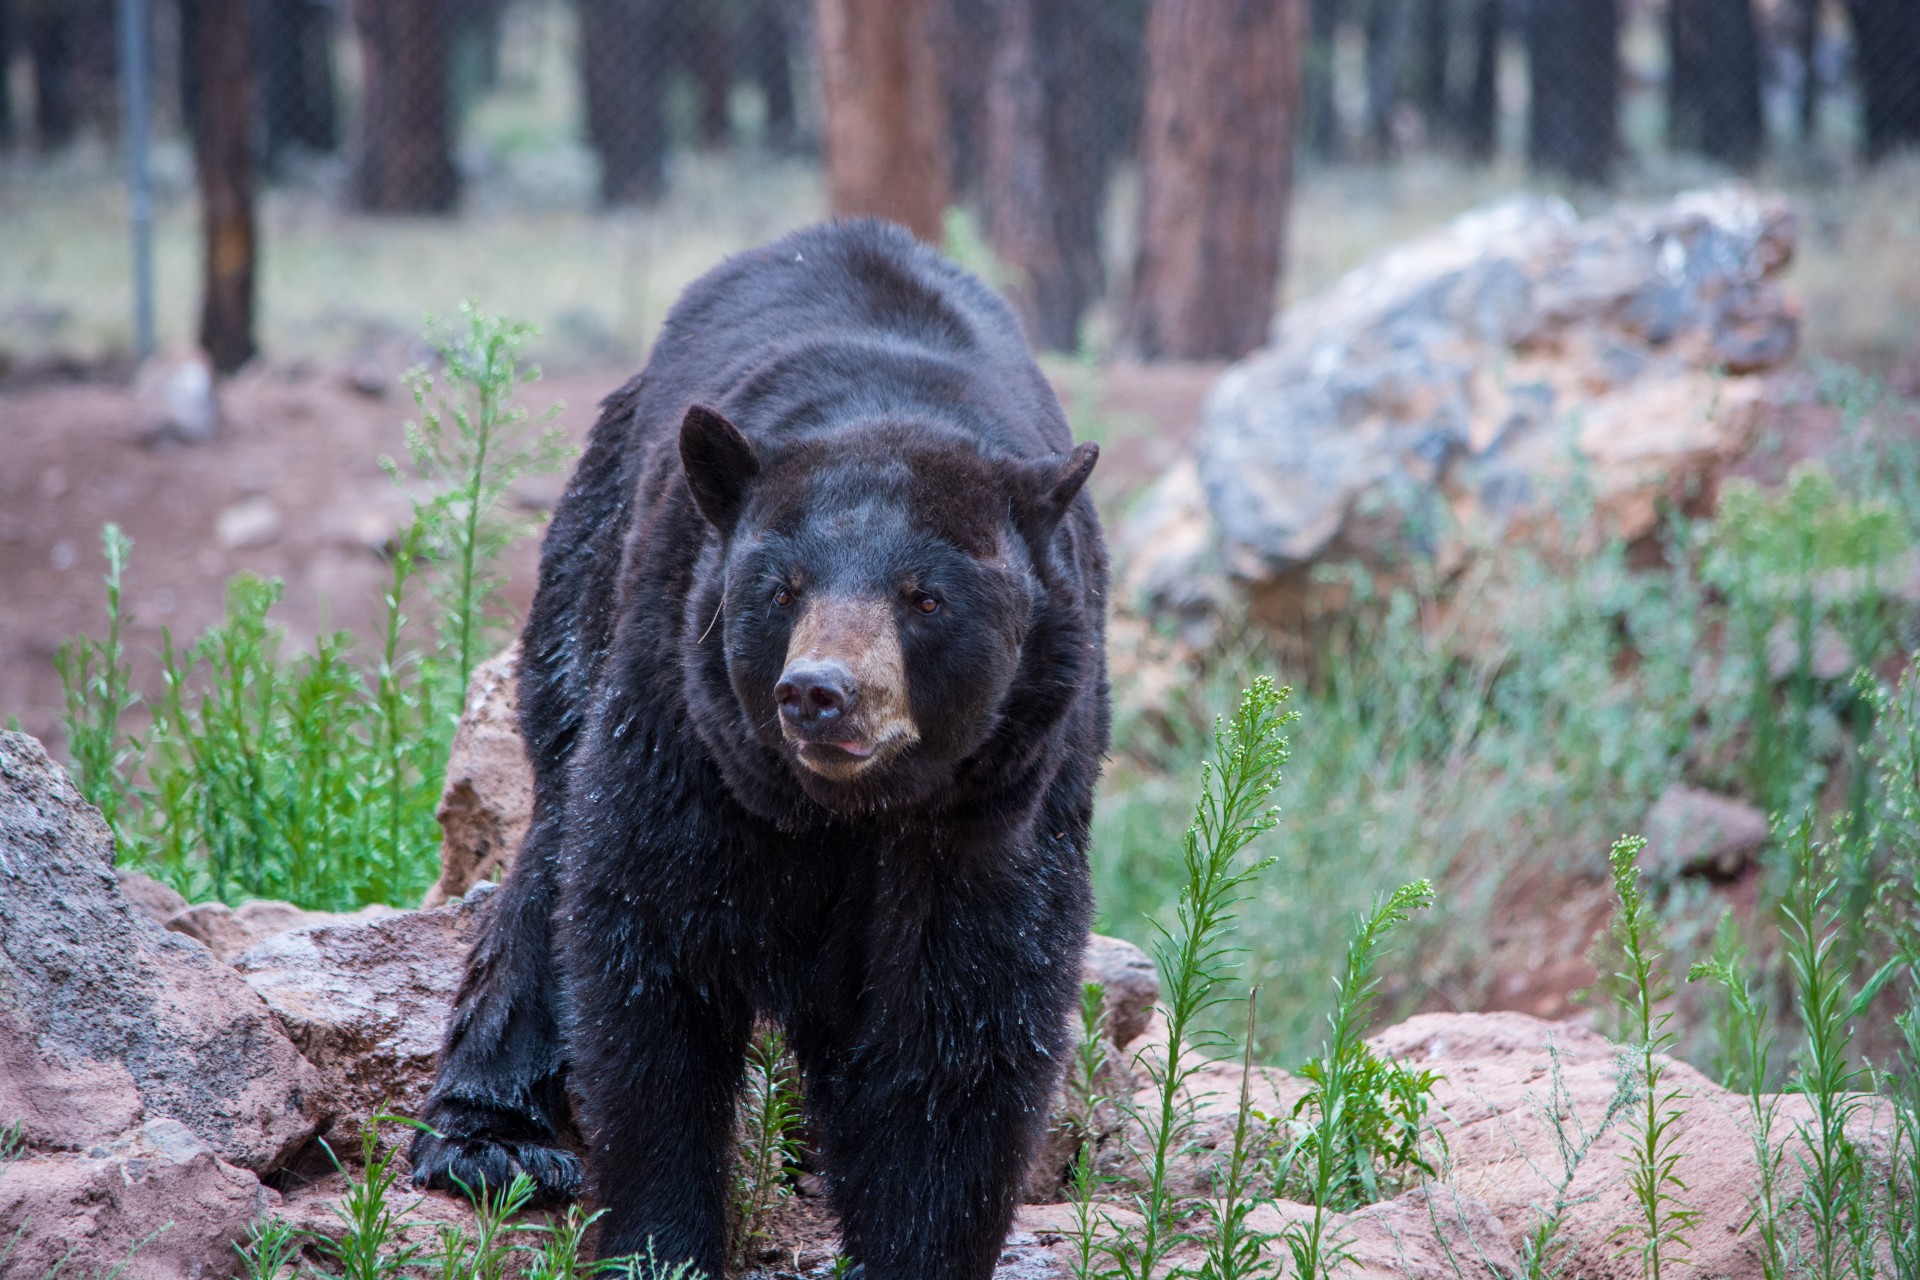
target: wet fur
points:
(917, 931)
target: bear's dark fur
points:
(814, 689)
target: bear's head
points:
(877, 587)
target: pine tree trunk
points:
(223, 156)
(1386, 29)
(1433, 60)
(406, 129)
(967, 34)
(1222, 92)
(51, 39)
(623, 57)
(9, 34)
(294, 52)
(1318, 101)
(1046, 171)
(767, 60)
(1807, 46)
(886, 113)
(712, 41)
(1573, 63)
(1713, 87)
(1886, 36)
(1479, 128)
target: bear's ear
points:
(1048, 487)
(719, 463)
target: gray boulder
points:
(1443, 394)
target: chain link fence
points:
(578, 160)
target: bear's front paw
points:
(443, 1162)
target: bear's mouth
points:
(842, 759)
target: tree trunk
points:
(886, 125)
(1432, 80)
(223, 155)
(1386, 28)
(711, 42)
(1573, 65)
(1807, 47)
(294, 54)
(52, 37)
(1223, 80)
(623, 66)
(768, 61)
(9, 31)
(406, 133)
(1886, 37)
(967, 34)
(1479, 128)
(1046, 166)
(1713, 86)
(1320, 103)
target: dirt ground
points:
(292, 488)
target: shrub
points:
(314, 777)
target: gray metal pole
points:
(136, 101)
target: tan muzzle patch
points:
(860, 635)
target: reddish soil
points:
(302, 439)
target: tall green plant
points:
(1835, 1197)
(1654, 1160)
(371, 1246)
(1748, 1044)
(1361, 1122)
(97, 678)
(1233, 1248)
(1903, 1200)
(1084, 1179)
(1194, 955)
(470, 444)
(769, 1143)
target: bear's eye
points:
(925, 603)
(782, 595)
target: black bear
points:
(814, 688)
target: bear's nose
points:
(814, 692)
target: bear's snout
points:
(813, 693)
(842, 696)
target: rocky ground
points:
(172, 1064)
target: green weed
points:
(769, 1143)
(97, 679)
(488, 1252)
(1655, 1158)
(1233, 1249)
(314, 777)
(1194, 956)
(1084, 1179)
(1356, 1135)
(271, 1247)
(372, 1246)
(1748, 1041)
(471, 444)
(1834, 1197)
(1903, 1195)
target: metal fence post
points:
(136, 101)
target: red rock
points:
(366, 1000)
(488, 798)
(157, 1201)
(106, 1019)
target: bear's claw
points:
(443, 1162)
